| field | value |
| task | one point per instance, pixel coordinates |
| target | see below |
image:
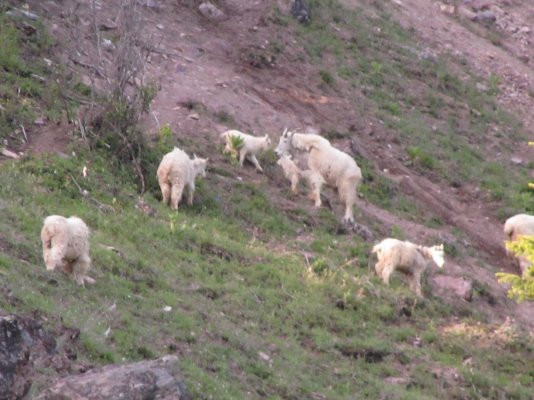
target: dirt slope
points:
(208, 85)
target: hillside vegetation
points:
(260, 295)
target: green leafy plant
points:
(521, 287)
(234, 144)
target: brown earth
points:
(205, 75)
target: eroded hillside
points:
(432, 101)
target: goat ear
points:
(284, 133)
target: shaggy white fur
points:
(252, 145)
(515, 227)
(313, 179)
(408, 258)
(338, 169)
(66, 246)
(176, 173)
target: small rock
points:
(167, 308)
(194, 116)
(447, 8)
(466, 13)
(108, 44)
(264, 356)
(481, 86)
(449, 375)
(39, 122)
(516, 160)
(300, 11)
(449, 285)
(485, 17)
(160, 27)
(107, 26)
(211, 12)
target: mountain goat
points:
(313, 179)
(408, 258)
(251, 146)
(515, 227)
(338, 169)
(66, 246)
(177, 172)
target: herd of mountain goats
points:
(66, 240)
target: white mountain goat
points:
(515, 227)
(338, 169)
(252, 145)
(313, 179)
(66, 247)
(408, 258)
(176, 173)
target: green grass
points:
(31, 86)
(326, 325)
(268, 303)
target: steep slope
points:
(252, 272)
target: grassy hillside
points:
(252, 316)
(266, 302)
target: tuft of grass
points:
(327, 78)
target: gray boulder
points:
(301, 11)
(155, 379)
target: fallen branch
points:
(16, 12)
(39, 77)
(110, 248)
(82, 129)
(88, 66)
(24, 133)
(9, 153)
(346, 264)
(169, 53)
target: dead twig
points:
(82, 129)
(24, 133)
(348, 263)
(39, 77)
(111, 248)
(91, 67)
(170, 53)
